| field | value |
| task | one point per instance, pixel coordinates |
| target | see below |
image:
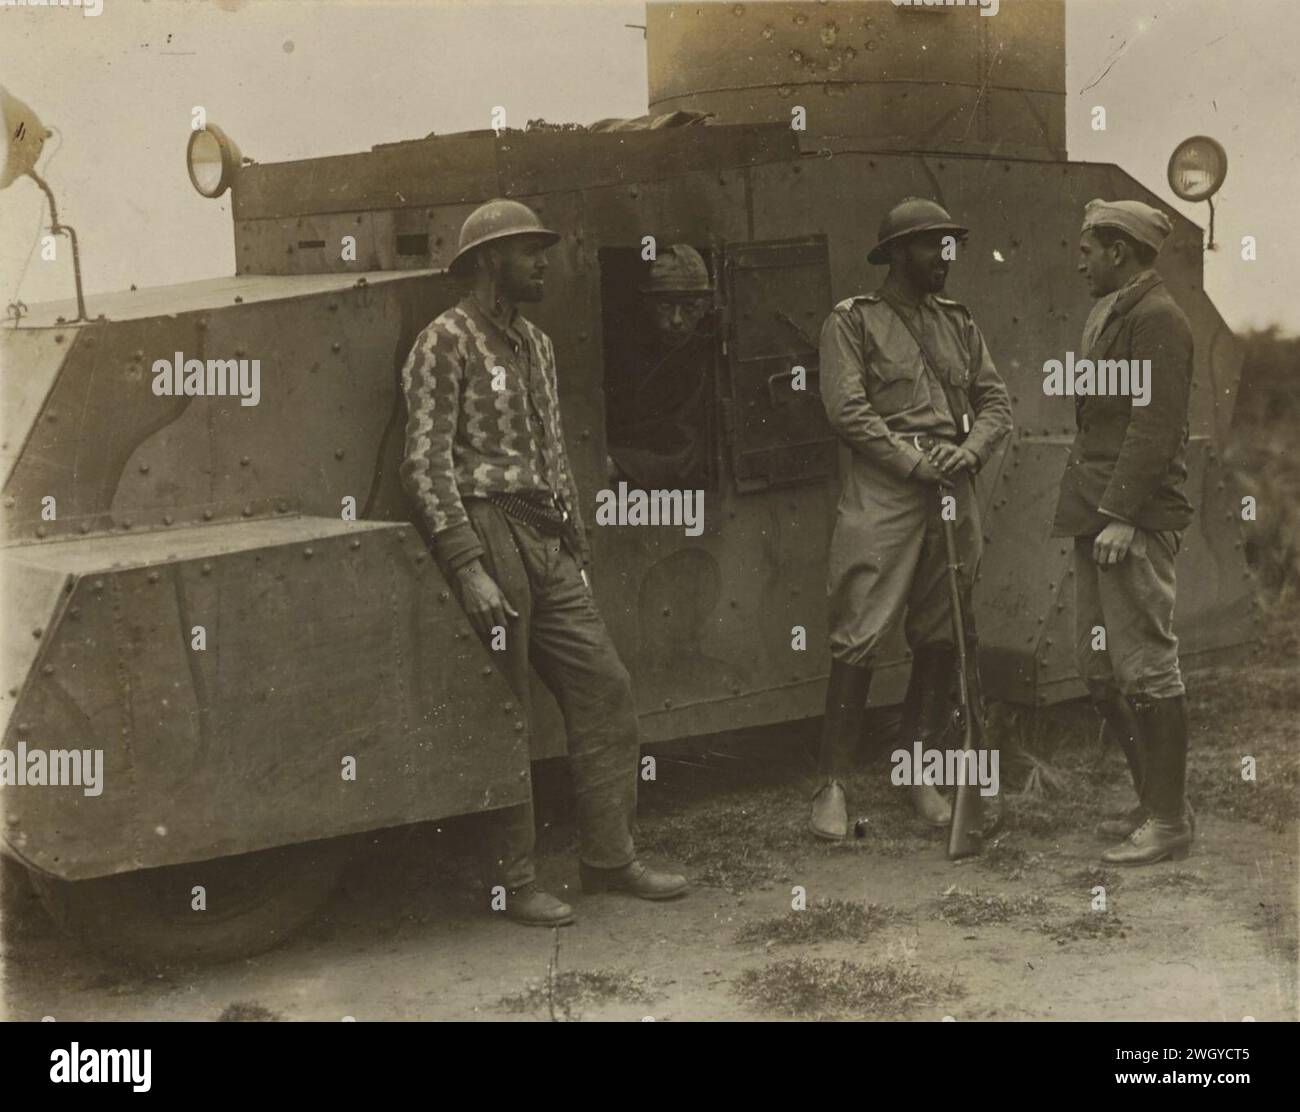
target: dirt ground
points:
(892, 930)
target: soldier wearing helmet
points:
(658, 395)
(913, 395)
(486, 465)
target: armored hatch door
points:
(778, 293)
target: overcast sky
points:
(291, 79)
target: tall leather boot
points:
(1166, 833)
(1122, 725)
(846, 707)
(927, 711)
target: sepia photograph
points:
(619, 511)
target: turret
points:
(960, 78)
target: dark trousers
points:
(561, 634)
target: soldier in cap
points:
(486, 465)
(658, 403)
(1122, 501)
(913, 395)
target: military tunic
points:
(887, 556)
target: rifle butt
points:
(965, 835)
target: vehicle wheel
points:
(253, 902)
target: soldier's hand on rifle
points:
(926, 472)
(950, 459)
(1112, 543)
(484, 602)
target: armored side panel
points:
(202, 600)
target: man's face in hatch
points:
(674, 318)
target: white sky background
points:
(290, 79)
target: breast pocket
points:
(892, 383)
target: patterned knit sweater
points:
(483, 417)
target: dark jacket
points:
(1129, 459)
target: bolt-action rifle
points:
(967, 833)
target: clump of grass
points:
(736, 842)
(1093, 875)
(243, 1011)
(1214, 779)
(823, 988)
(1042, 778)
(576, 989)
(1044, 816)
(742, 839)
(866, 841)
(1179, 879)
(1063, 793)
(826, 921)
(1052, 753)
(963, 908)
(1094, 924)
(1276, 919)
(1009, 860)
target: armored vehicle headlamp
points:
(212, 159)
(1197, 168)
(25, 136)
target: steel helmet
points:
(497, 219)
(677, 269)
(909, 217)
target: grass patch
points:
(1276, 920)
(577, 989)
(243, 1011)
(825, 921)
(736, 842)
(1177, 879)
(1093, 876)
(1240, 712)
(817, 988)
(1007, 860)
(1093, 924)
(1063, 778)
(739, 839)
(963, 908)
